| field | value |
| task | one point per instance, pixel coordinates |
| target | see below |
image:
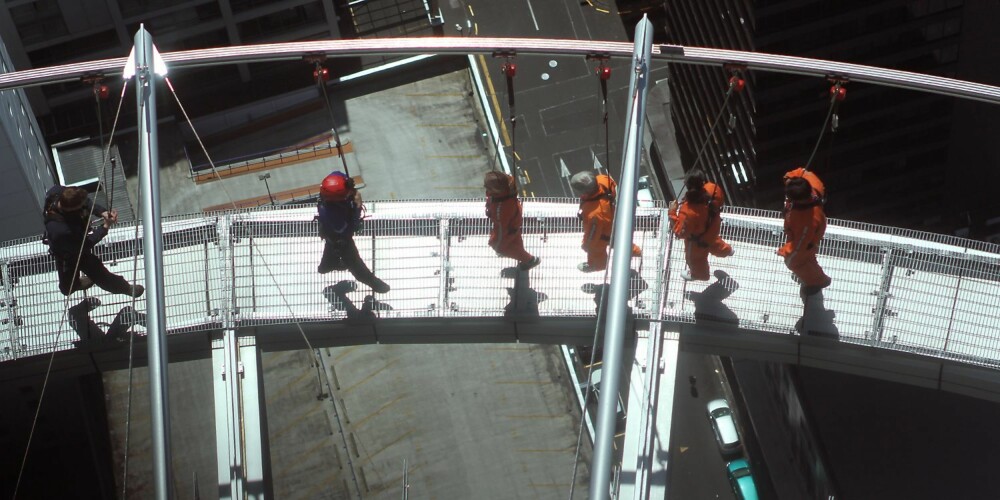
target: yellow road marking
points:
(295, 423)
(293, 383)
(331, 477)
(549, 485)
(531, 417)
(471, 13)
(496, 104)
(345, 353)
(369, 458)
(369, 377)
(382, 408)
(302, 456)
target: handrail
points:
(488, 45)
(941, 302)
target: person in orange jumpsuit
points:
(597, 211)
(698, 222)
(805, 224)
(504, 211)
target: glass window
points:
(38, 21)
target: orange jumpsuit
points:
(699, 225)
(597, 211)
(505, 235)
(805, 224)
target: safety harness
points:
(713, 213)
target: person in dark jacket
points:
(339, 209)
(71, 242)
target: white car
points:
(644, 196)
(723, 425)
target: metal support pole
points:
(882, 303)
(614, 337)
(10, 303)
(149, 186)
(242, 459)
(444, 235)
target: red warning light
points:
(737, 83)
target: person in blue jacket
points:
(68, 233)
(340, 209)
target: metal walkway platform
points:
(906, 306)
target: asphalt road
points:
(559, 104)
(698, 466)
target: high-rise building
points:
(43, 33)
(26, 168)
(898, 157)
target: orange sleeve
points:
(800, 230)
(589, 226)
(718, 197)
(510, 217)
(680, 220)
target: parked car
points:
(723, 425)
(741, 479)
(644, 195)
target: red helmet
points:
(336, 187)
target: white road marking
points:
(532, 10)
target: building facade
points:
(897, 157)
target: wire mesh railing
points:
(893, 289)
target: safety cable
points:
(735, 85)
(100, 132)
(321, 75)
(62, 320)
(107, 154)
(604, 290)
(509, 69)
(316, 352)
(837, 95)
(131, 342)
(603, 74)
(496, 157)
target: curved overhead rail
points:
(445, 45)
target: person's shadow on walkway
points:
(816, 319)
(523, 299)
(336, 294)
(708, 304)
(91, 333)
(636, 286)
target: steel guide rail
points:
(526, 46)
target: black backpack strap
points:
(713, 213)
